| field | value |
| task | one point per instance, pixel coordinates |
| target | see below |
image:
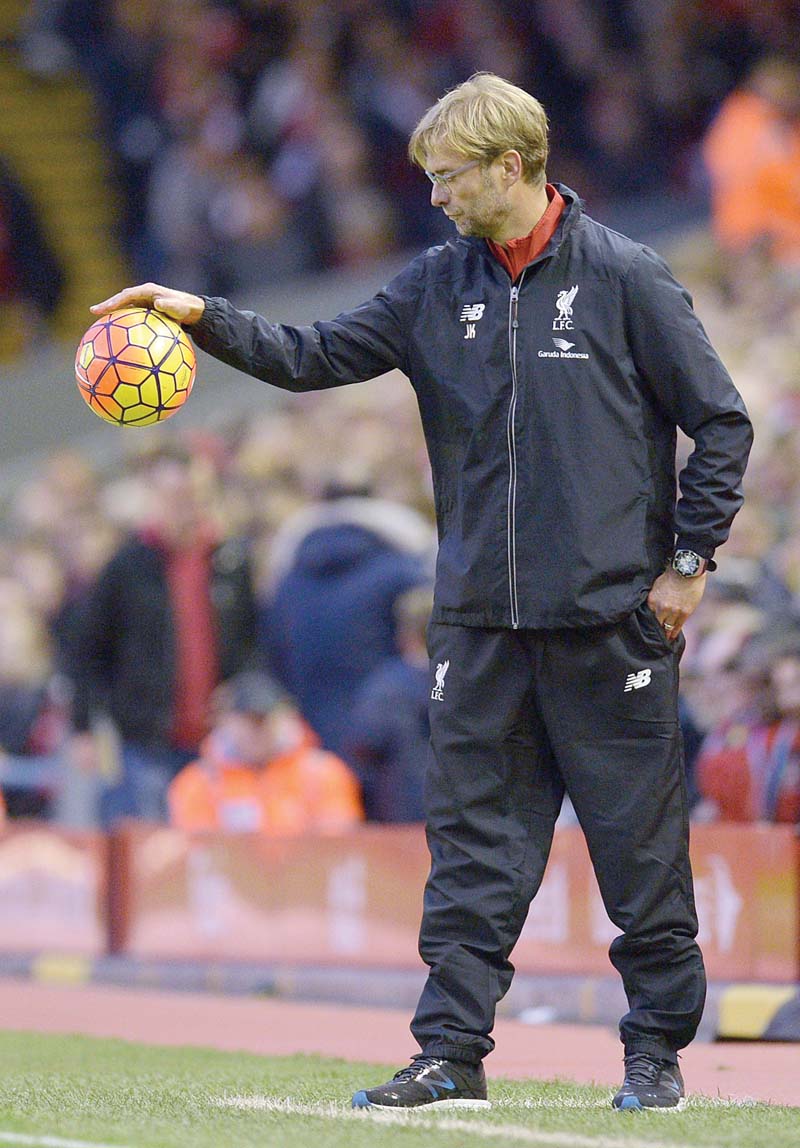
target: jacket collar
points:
(573, 209)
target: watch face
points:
(687, 563)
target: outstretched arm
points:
(357, 345)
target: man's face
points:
(253, 737)
(177, 500)
(475, 199)
(256, 739)
(785, 678)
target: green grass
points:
(57, 1089)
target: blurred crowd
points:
(255, 140)
(216, 591)
(310, 555)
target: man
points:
(339, 566)
(171, 614)
(753, 146)
(552, 360)
(389, 738)
(749, 766)
(261, 770)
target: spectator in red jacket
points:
(749, 770)
(171, 615)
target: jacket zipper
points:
(513, 324)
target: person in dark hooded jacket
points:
(390, 732)
(339, 566)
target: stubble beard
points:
(487, 217)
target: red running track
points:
(582, 1053)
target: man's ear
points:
(512, 166)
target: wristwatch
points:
(688, 564)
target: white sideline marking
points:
(50, 1141)
(437, 1120)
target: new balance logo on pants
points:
(638, 681)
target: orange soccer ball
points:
(135, 367)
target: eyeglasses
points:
(443, 179)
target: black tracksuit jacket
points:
(549, 407)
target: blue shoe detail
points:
(632, 1102)
(448, 1085)
(360, 1100)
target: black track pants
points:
(517, 717)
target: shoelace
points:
(642, 1069)
(416, 1067)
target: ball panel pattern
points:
(135, 367)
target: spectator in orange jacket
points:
(261, 771)
(752, 143)
(778, 185)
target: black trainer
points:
(429, 1080)
(649, 1083)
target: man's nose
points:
(439, 194)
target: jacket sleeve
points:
(356, 345)
(673, 355)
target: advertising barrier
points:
(357, 900)
(154, 893)
(53, 891)
(353, 899)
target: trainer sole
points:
(362, 1104)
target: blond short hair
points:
(482, 118)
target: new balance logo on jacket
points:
(471, 312)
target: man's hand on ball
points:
(179, 305)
